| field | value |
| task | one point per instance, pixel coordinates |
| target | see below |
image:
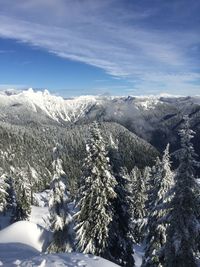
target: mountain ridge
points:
(157, 119)
(71, 110)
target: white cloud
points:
(93, 32)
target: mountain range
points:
(156, 119)
(32, 122)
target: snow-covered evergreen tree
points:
(122, 243)
(159, 196)
(96, 194)
(60, 218)
(146, 177)
(23, 196)
(3, 192)
(33, 179)
(183, 230)
(11, 197)
(139, 197)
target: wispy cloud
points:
(12, 86)
(110, 36)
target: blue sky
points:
(117, 47)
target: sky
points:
(114, 47)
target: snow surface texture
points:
(22, 242)
(24, 256)
(26, 233)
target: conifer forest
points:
(100, 185)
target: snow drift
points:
(22, 242)
(26, 233)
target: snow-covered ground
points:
(23, 243)
(26, 233)
(16, 254)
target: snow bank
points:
(24, 256)
(13, 254)
(25, 233)
(69, 260)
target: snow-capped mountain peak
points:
(41, 106)
(55, 107)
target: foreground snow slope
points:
(22, 242)
(26, 233)
(24, 256)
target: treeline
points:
(27, 151)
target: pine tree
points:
(96, 195)
(3, 192)
(182, 233)
(11, 197)
(23, 196)
(159, 196)
(121, 244)
(60, 218)
(138, 207)
(146, 177)
(33, 179)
